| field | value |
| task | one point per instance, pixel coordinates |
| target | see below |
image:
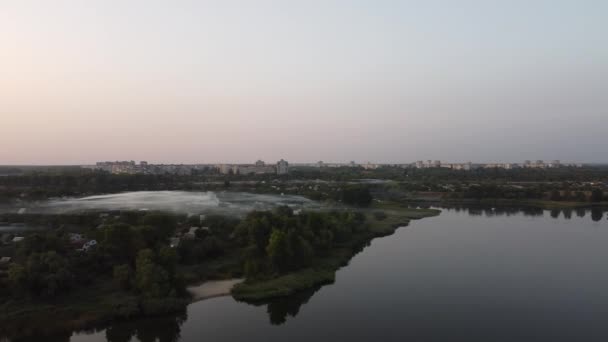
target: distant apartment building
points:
(506, 166)
(282, 167)
(555, 164)
(538, 164)
(130, 167)
(227, 169)
(468, 166)
(258, 168)
(430, 164)
(370, 166)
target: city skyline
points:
(388, 82)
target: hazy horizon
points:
(233, 81)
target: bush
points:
(122, 276)
(161, 306)
(125, 307)
(380, 215)
(597, 195)
(357, 196)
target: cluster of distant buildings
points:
(143, 167)
(538, 164)
(322, 164)
(282, 167)
(259, 168)
(131, 167)
(437, 164)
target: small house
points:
(76, 238)
(174, 242)
(89, 244)
(191, 234)
(6, 238)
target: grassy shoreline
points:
(324, 270)
(541, 204)
(94, 307)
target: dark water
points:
(466, 275)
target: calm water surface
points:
(466, 275)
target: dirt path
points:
(210, 289)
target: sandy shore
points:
(210, 289)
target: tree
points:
(164, 223)
(301, 250)
(45, 274)
(150, 278)
(556, 195)
(117, 242)
(359, 196)
(17, 277)
(597, 195)
(278, 251)
(580, 196)
(122, 276)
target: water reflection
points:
(161, 329)
(580, 212)
(280, 308)
(567, 213)
(597, 213)
(532, 250)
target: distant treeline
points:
(587, 173)
(44, 185)
(136, 269)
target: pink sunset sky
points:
(237, 81)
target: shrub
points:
(380, 215)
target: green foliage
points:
(124, 307)
(359, 196)
(161, 306)
(597, 195)
(278, 251)
(41, 243)
(151, 279)
(42, 274)
(117, 241)
(122, 275)
(291, 242)
(163, 223)
(17, 277)
(284, 285)
(556, 195)
(580, 196)
(380, 215)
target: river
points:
(466, 275)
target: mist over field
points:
(227, 203)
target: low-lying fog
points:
(233, 203)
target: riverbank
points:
(324, 272)
(93, 307)
(212, 289)
(540, 204)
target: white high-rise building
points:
(282, 167)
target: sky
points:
(236, 81)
